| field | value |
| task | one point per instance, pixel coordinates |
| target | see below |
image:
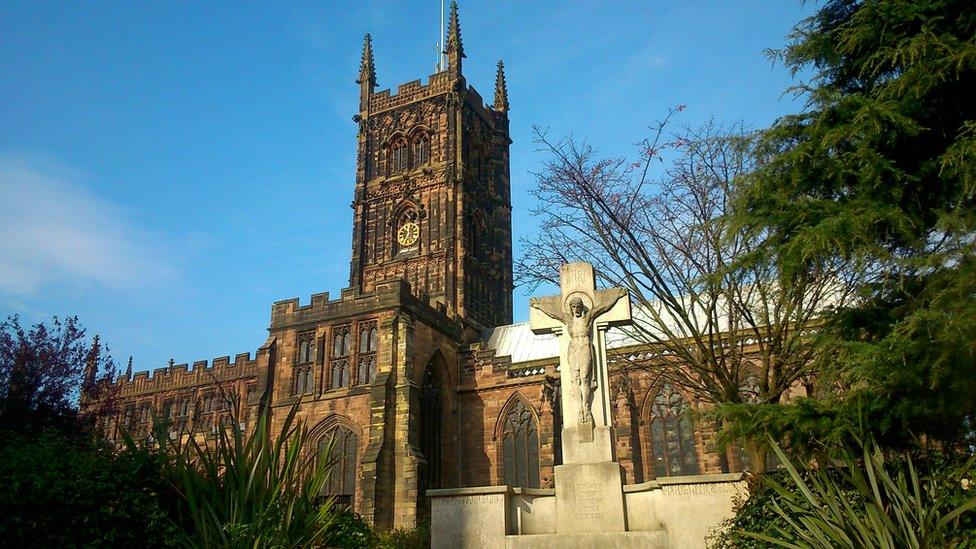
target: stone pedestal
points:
(588, 444)
(589, 498)
(595, 540)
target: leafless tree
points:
(727, 326)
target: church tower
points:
(432, 201)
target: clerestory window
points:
(339, 365)
(303, 364)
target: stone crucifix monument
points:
(589, 496)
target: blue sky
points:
(168, 171)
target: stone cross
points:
(580, 316)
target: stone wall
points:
(677, 512)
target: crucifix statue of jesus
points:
(579, 326)
(581, 314)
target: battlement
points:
(388, 295)
(180, 375)
(408, 92)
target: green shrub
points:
(417, 538)
(350, 531)
(60, 491)
(261, 490)
(869, 501)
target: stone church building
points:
(416, 370)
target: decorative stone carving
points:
(580, 315)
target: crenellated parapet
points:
(390, 295)
(182, 376)
(410, 92)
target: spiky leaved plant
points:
(869, 504)
(257, 490)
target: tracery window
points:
(672, 435)
(749, 390)
(248, 396)
(181, 413)
(421, 151)
(520, 447)
(168, 409)
(366, 361)
(129, 417)
(342, 478)
(430, 428)
(339, 366)
(142, 423)
(303, 365)
(398, 156)
(209, 402)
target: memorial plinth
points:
(589, 505)
(589, 483)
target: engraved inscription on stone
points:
(585, 497)
(472, 500)
(701, 489)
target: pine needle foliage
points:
(879, 170)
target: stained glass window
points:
(430, 427)
(342, 478)
(339, 367)
(366, 361)
(672, 435)
(520, 447)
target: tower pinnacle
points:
(501, 90)
(454, 49)
(367, 71)
(367, 74)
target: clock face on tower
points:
(408, 234)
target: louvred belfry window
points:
(421, 151)
(366, 361)
(339, 366)
(398, 157)
(520, 447)
(672, 435)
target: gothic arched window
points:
(672, 435)
(398, 156)
(520, 447)
(430, 427)
(366, 361)
(303, 364)
(750, 390)
(421, 151)
(339, 366)
(342, 477)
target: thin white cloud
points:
(54, 231)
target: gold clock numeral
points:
(408, 233)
